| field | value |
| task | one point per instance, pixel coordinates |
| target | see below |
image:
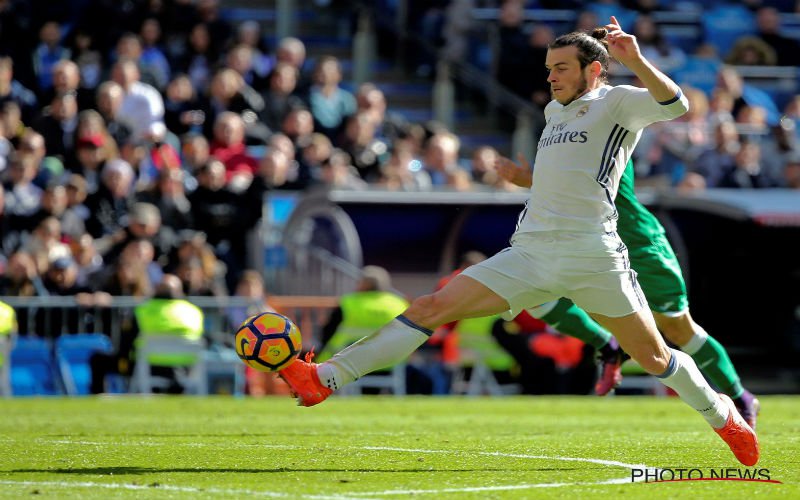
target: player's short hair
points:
(591, 47)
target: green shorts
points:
(659, 275)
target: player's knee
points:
(429, 311)
(676, 329)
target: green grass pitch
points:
(378, 448)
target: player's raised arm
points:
(624, 48)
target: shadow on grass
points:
(104, 471)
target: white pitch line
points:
(164, 487)
(360, 495)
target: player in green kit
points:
(659, 275)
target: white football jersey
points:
(581, 154)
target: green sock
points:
(713, 361)
(571, 320)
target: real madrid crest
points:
(582, 111)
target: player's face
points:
(567, 79)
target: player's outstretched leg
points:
(312, 383)
(712, 359)
(462, 297)
(639, 337)
(571, 320)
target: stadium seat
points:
(724, 24)
(72, 356)
(33, 371)
(153, 348)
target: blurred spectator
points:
(44, 243)
(91, 156)
(152, 60)
(21, 278)
(218, 29)
(670, 148)
(195, 151)
(143, 223)
(720, 155)
(791, 172)
(199, 59)
(167, 312)
(275, 169)
(76, 196)
(729, 80)
(92, 126)
(182, 112)
(216, 212)
(169, 195)
(484, 171)
(298, 125)
(404, 171)
(109, 102)
(229, 93)
(142, 105)
(540, 39)
(61, 280)
(249, 34)
(90, 64)
(317, 151)
(12, 90)
(128, 277)
(142, 252)
(768, 23)
(54, 203)
(58, 126)
(778, 148)
(12, 126)
(228, 147)
(46, 54)
(292, 51)
(329, 103)
(86, 257)
(281, 95)
(109, 206)
(372, 101)
(513, 50)
(367, 153)
(664, 55)
(747, 171)
(67, 80)
(240, 59)
(22, 195)
(338, 173)
(441, 158)
(751, 51)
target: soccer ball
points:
(268, 342)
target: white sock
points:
(684, 378)
(386, 347)
(696, 342)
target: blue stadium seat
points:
(72, 356)
(32, 369)
(699, 72)
(724, 24)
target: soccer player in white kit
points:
(566, 243)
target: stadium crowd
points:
(138, 138)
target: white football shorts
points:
(592, 270)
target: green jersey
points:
(651, 255)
